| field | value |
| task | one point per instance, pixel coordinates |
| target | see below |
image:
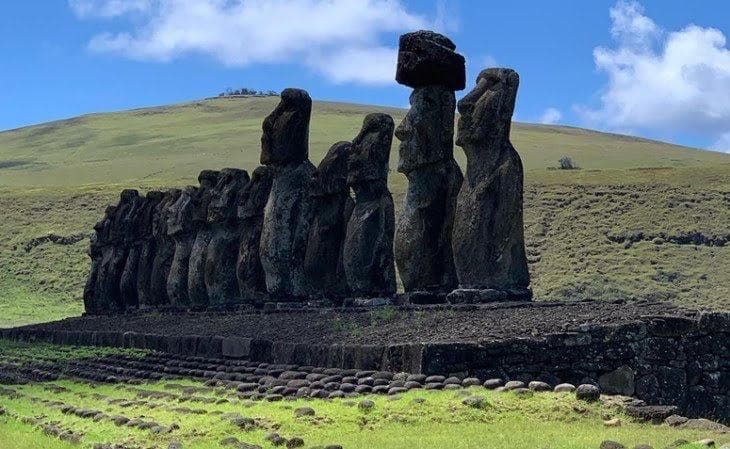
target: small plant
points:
(566, 163)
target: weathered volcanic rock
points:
(222, 251)
(164, 249)
(368, 248)
(181, 227)
(251, 203)
(100, 247)
(423, 237)
(128, 280)
(287, 215)
(488, 236)
(147, 248)
(426, 58)
(332, 207)
(197, 292)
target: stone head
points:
(371, 150)
(426, 58)
(162, 212)
(102, 226)
(154, 196)
(427, 131)
(180, 219)
(331, 174)
(254, 195)
(223, 205)
(285, 136)
(208, 178)
(486, 111)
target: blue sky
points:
(654, 68)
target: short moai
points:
(222, 252)
(428, 62)
(368, 248)
(99, 247)
(332, 207)
(147, 248)
(197, 292)
(287, 215)
(131, 241)
(164, 249)
(488, 237)
(251, 204)
(181, 227)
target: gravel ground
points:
(382, 325)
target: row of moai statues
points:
(291, 232)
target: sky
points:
(653, 68)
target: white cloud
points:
(550, 116)
(722, 144)
(337, 38)
(108, 8)
(662, 81)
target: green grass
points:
(58, 177)
(417, 419)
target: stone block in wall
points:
(175, 344)
(208, 346)
(712, 322)
(662, 349)
(235, 347)
(370, 357)
(335, 356)
(699, 402)
(672, 327)
(618, 381)
(260, 350)
(446, 358)
(189, 345)
(128, 339)
(672, 385)
(404, 357)
(625, 332)
(282, 352)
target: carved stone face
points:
(254, 195)
(427, 131)
(486, 111)
(208, 179)
(286, 130)
(223, 205)
(162, 212)
(103, 226)
(371, 150)
(181, 212)
(331, 174)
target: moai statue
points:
(128, 281)
(368, 250)
(113, 262)
(332, 207)
(147, 249)
(222, 251)
(251, 203)
(164, 249)
(99, 247)
(287, 216)
(428, 62)
(181, 227)
(197, 293)
(488, 238)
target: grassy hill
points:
(640, 219)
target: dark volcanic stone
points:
(249, 272)
(182, 229)
(164, 249)
(587, 392)
(99, 248)
(489, 253)
(426, 58)
(288, 212)
(197, 292)
(654, 413)
(131, 241)
(423, 237)
(222, 252)
(368, 248)
(332, 207)
(147, 247)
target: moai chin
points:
(147, 249)
(428, 62)
(488, 238)
(222, 251)
(368, 249)
(332, 206)
(287, 215)
(197, 292)
(164, 249)
(181, 227)
(251, 203)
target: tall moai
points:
(181, 227)
(133, 245)
(99, 248)
(147, 248)
(222, 251)
(488, 237)
(164, 249)
(197, 292)
(251, 204)
(287, 215)
(368, 248)
(428, 63)
(332, 207)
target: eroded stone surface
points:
(147, 248)
(426, 58)
(197, 292)
(164, 249)
(182, 229)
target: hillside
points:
(641, 219)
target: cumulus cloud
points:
(551, 116)
(722, 144)
(662, 81)
(341, 39)
(108, 8)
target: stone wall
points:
(662, 360)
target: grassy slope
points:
(58, 177)
(505, 420)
